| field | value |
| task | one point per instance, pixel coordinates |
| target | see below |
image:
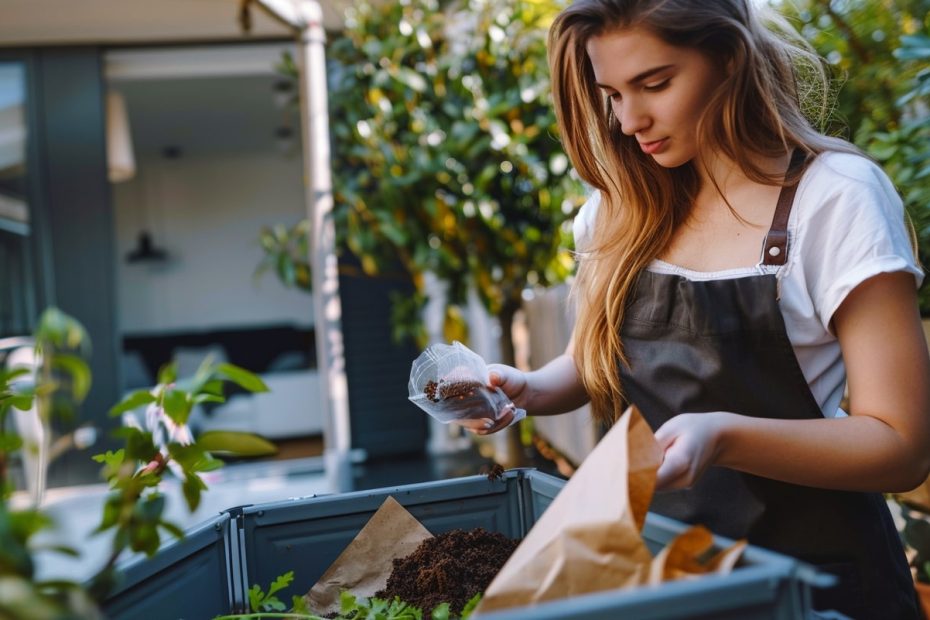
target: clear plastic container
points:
(450, 383)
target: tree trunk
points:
(515, 455)
(506, 316)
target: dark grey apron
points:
(721, 345)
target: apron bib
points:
(721, 345)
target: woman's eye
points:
(657, 86)
(614, 96)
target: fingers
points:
(497, 375)
(487, 426)
(674, 471)
(666, 434)
(687, 442)
(476, 424)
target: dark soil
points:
(449, 568)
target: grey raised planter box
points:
(210, 571)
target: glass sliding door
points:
(17, 302)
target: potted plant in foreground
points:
(134, 511)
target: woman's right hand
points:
(512, 382)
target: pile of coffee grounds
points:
(458, 389)
(449, 568)
(445, 390)
(431, 391)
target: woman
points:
(686, 119)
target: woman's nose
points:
(632, 116)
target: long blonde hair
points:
(772, 79)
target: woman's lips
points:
(653, 147)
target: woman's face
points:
(657, 91)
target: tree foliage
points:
(445, 155)
(880, 51)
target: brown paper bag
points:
(680, 558)
(588, 539)
(365, 565)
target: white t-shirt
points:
(846, 225)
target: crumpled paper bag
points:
(680, 558)
(589, 539)
(365, 565)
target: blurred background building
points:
(143, 146)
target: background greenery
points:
(446, 158)
(445, 155)
(879, 51)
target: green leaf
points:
(193, 458)
(256, 596)
(242, 377)
(272, 603)
(62, 549)
(168, 373)
(441, 612)
(144, 538)
(285, 270)
(111, 513)
(8, 376)
(213, 388)
(60, 330)
(150, 508)
(177, 406)
(470, 606)
(208, 398)
(172, 529)
(10, 442)
(235, 443)
(347, 602)
(299, 605)
(79, 372)
(281, 582)
(134, 400)
(111, 458)
(377, 606)
(192, 488)
(23, 402)
(121, 538)
(25, 523)
(208, 463)
(139, 444)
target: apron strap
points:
(775, 248)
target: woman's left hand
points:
(690, 443)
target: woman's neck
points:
(721, 175)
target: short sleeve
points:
(583, 224)
(853, 228)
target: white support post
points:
(306, 17)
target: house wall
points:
(206, 212)
(549, 329)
